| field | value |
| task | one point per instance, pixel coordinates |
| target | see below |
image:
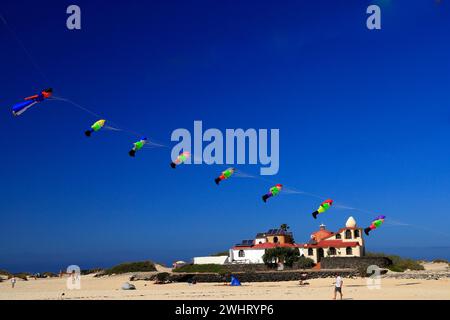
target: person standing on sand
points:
(13, 282)
(338, 286)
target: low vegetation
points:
(288, 256)
(440, 261)
(162, 278)
(142, 266)
(305, 263)
(221, 253)
(91, 271)
(201, 268)
(50, 275)
(22, 275)
(5, 273)
(399, 264)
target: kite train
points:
(28, 102)
(376, 223)
(225, 175)
(272, 192)
(137, 146)
(324, 206)
(95, 127)
(180, 159)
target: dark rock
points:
(354, 262)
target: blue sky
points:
(363, 118)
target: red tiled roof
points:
(321, 244)
(267, 245)
(322, 234)
(332, 243)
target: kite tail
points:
(132, 153)
(88, 133)
(314, 214)
(367, 230)
(173, 165)
(266, 196)
(217, 180)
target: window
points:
(332, 251)
(310, 252)
(241, 253)
(356, 233)
(348, 234)
(338, 236)
(348, 251)
(275, 239)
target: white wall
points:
(210, 260)
(251, 256)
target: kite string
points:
(45, 78)
(390, 221)
(289, 190)
(22, 46)
(116, 126)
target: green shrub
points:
(162, 277)
(280, 254)
(5, 273)
(22, 275)
(142, 266)
(201, 268)
(440, 261)
(305, 263)
(399, 264)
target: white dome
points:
(351, 223)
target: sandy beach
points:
(318, 289)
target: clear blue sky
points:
(363, 116)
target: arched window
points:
(310, 252)
(241, 253)
(275, 239)
(348, 234)
(338, 236)
(349, 251)
(356, 233)
(332, 251)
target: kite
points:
(376, 223)
(95, 127)
(324, 206)
(137, 146)
(23, 106)
(225, 175)
(180, 159)
(272, 192)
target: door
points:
(319, 254)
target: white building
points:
(252, 251)
(346, 242)
(211, 260)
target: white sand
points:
(109, 288)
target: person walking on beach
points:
(13, 282)
(338, 286)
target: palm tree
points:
(284, 227)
